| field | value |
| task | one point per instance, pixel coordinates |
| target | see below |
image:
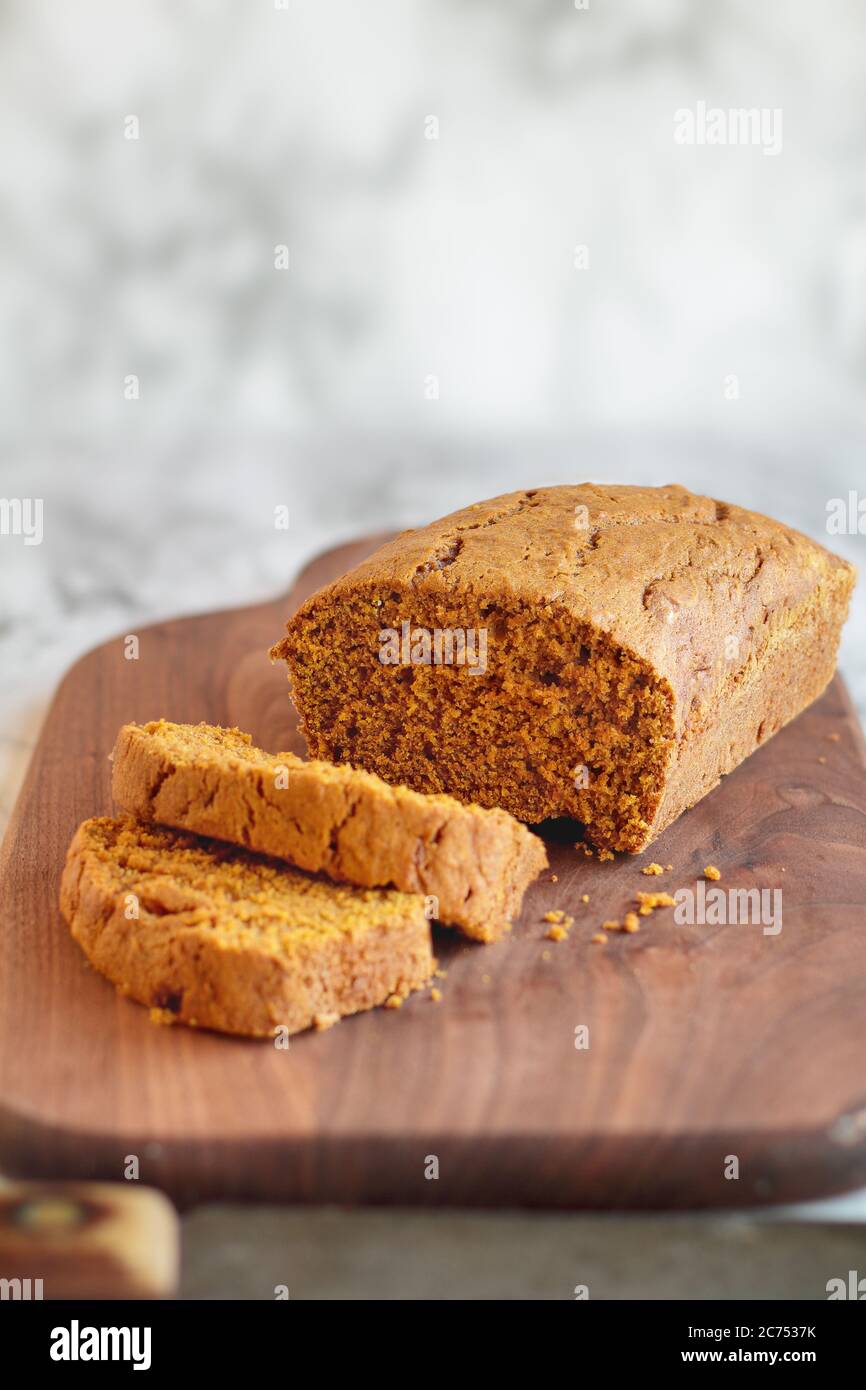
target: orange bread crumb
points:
(648, 902)
(321, 1022)
(559, 931)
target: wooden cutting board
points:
(706, 1043)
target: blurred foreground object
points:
(86, 1240)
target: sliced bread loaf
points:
(217, 938)
(473, 864)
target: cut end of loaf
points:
(548, 718)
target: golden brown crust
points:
(217, 938)
(646, 638)
(351, 825)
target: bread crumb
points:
(822, 760)
(163, 1016)
(610, 926)
(630, 922)
(834, 738)
(605, 854)
(712, 872)
(435, 994)
(584, 897)
(545, 955)
(669, 867)
(554, 916)
(650, 869)
(394, 1001)
(586, 849)
(440, 974)
(323, 1021)
(485, 979)
(648, 902)
(556, 933)
(554, 878)
(599, 939)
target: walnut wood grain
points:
(704, 1041)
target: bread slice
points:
(217, 938)
(473, 864)
(602, 653)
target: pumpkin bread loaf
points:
(602, 653)
(215, 937)
(351, 825)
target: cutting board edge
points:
(777, 1167)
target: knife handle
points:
(87, 1240)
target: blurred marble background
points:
(307, 126)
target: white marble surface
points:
(306, 127)
(409, 258)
